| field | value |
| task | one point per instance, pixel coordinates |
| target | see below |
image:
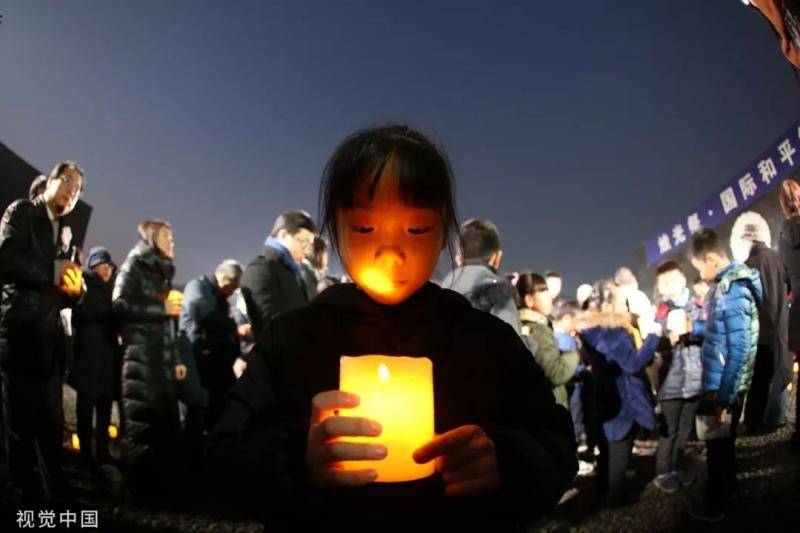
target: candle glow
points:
(397, 392)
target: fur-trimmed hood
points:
(602, 320)
(529, 315)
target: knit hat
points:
(97, 256)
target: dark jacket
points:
(96, 355)
(483, 375)
(207, 325)
(148, 368)
(31, 302)
(270, 287)
(618, 363)
(681, 370)
(789, 248)
(773, 311)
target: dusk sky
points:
(580, 128)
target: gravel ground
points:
(769, 479)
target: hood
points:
(350, 301)
(739, 272)
(602, 320)
(148, 255)
(466, 277)
(529, 315)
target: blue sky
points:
(579, 128)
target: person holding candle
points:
(151, 362)
(680, 374)
(503, 453)
(94, 373)
(37, 283)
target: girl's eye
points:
(363, 229)
(420, 231)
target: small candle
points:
(397, 392)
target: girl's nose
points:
(390, 256)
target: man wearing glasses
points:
(38, 281)
(274, 282)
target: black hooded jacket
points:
(483, 375)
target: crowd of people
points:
(236, 378)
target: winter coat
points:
(270, 287)
(207, 325)
(96, 354)
(789, 248)
(486, 290)
(557, 366)
(31, 302)
(773, 311)
(148, 368)
(681, 370)
(483, 375)
(618, 358)
(731, 333)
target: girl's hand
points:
(466, 458)
(324, 452)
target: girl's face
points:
(540, 301)
(389, 249)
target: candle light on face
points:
(397, 392)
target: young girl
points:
(504, 448)
(618, 357)
(535, 305)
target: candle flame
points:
(112, 431)
(76, 443)
(175, 296)
(383, 372)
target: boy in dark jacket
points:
(729, 350)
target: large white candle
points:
(397, 392)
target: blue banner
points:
(766, 172)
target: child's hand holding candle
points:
(466, 458)
(324, 452)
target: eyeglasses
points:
(306, 243)
(71, 182)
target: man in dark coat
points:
(483, 375)
(94, 373)
(767, 400)
(206, 323)
(274, 282)
(38, 282)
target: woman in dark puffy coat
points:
(94, 373)
(150, 362)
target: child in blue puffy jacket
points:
(728, 353)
